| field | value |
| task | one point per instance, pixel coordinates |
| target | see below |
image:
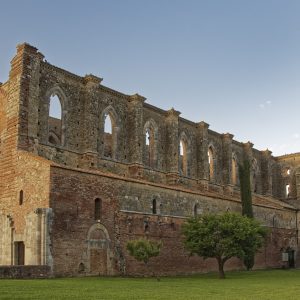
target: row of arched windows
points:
(56, 126)
(56, 137)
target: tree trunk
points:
(221, 268)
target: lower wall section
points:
(25, 272)
(175, 260)
(95, 216)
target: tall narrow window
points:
(147, 138)
(287, 191)
(108, 124)
(183, 157)
(108, 135)
(233, 171)
(21, 197)
(149, 147)
(154, 208)
(98, 208)
(55, 121)
(196, 206)
(211, 163)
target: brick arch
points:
(99, 251)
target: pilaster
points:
(202, 148)
(172, 122)
(227, 158)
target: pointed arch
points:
(150, 143)
(109, 124)
(99, 252)
(56, 108)
(184, 154)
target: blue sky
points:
(232, 63)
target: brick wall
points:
(17, 272)
(127, 214)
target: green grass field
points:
(277, 284)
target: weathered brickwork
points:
(72, 193)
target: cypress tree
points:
(246, 199)
(246, 196)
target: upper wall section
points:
(99, 128)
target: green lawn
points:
(278, 284)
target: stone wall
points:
(127, 213)
(18, 272)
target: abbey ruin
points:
(72, 193)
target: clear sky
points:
(233, 63)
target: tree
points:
(247, 210)
(245, 183)
(143, 249)
(223, 237)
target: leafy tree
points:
(222, 237)
(143, 249)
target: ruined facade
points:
(72, 193)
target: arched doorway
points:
(99, 251)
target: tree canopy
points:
(143, 249)
(223, 237)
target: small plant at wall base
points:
(246, 199)
(143, 249)
(223, 237)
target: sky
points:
(234, 64)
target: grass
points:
(275, 284)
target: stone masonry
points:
(72, 193)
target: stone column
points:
(135, 120)
(248, 151)
(90, 135)
(248, 155)
(135, 134)
(202, 148)
(172, 122)
(227, 158)
(266, 172)
(44, 256)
